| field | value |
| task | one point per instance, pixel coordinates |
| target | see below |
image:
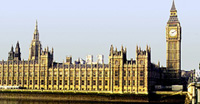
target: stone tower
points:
(173, 48)
(35, 47)
(11, 54)
(17, 52)
(143, 64)
(116, 63)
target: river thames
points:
(7, 101)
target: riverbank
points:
(48, 95)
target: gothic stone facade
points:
(119, 76)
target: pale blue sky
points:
(82, 27)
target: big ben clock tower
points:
(173, 43)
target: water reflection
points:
(7, 101)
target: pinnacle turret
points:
(17, 53)
(36, 33)
(173, 6)
(173, 14)
(36, 47)
(12, 49)
(17, 46)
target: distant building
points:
(197, 73)
(100, 59)
(89, 59)
(79, 61)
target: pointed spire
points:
(52, 50)
(173, 6)
(17, 45)
(111, 48)
(36, 33)
(122, 48)
(11, 49)
(17, 48)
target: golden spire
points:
(36, 33)
(173, 6)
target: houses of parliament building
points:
(118, 76)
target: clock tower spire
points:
(173, 48)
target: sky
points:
(82, 27)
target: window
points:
(60, 82)
(174, 55)
(129, 73)
(71, 73)
(116, 73)
(15, 82)
(77, 73)
(36, 74)
(76, 82)
(174, 45)
(141, 73)
(124, 82)
(60, 74)
(106, 73)
(42, 82)
(133, 82)
(94, 73)
(106, 82)
(88, 74)
(25, 82)
(82, 82)
(49, 82)
(133, 73)
(129, 82)
(20, 82)
(94, 82)
(171, 45)
(124, 74)
(55, 73)
(30, 82)
(4, 81)
(100, 73)
(141, 82)
(100, 82)
(54, 82)
(71, 82)
(116, 83)
(82, 73)
(65, 82)
(88, 82)
(35, 82)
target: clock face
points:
(173, 32)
